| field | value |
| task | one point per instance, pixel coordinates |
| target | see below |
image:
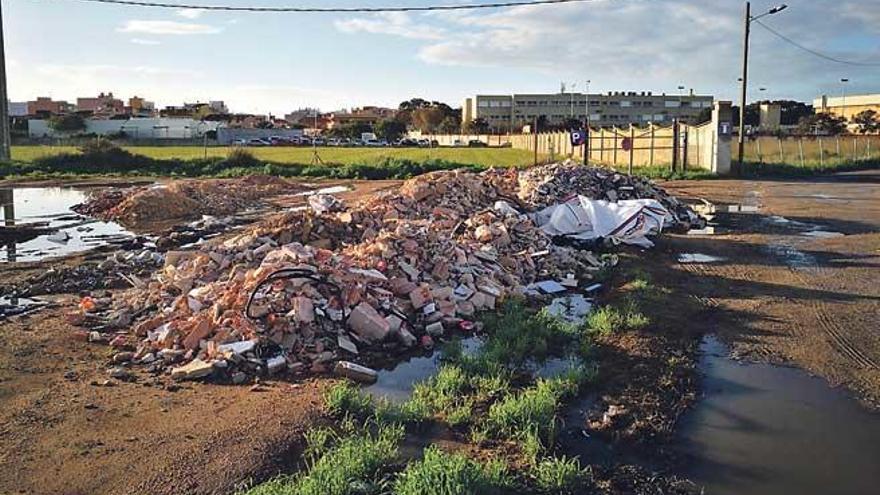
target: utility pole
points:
(741, 139)
(741, 142)
(4, 100)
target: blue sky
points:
(279, 62)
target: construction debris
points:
(183, 199)
(299, 291)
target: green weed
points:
(346, 398)
(561, 475)
(441, 473)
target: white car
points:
(259, 142)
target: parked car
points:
(259, 142)
(279, 141)
(319, 142)
(407, 142)
(424, 143)
(457, 143)
(372, 143)
(476, 143)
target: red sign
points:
(626, 143)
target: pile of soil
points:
(183, 199)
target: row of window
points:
(597, 103)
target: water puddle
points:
(764, 429)
(572, 309)
(396, 384)
(16, 306)
(325, 190)
(791, 256)
(38, 224)
(698, 258)
(823, 234)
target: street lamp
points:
(843, 82)
(745, 77)
(573, 85)
(587, 124)
(680, 102)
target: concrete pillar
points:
(722, 125)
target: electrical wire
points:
(324, 10)
(814, 52)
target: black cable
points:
(426, 8)
(814, 52)
(289, 273)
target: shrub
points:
(440, 473)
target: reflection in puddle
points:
(572, 309)
(38, 224)
(823, 234)
(764, 429)
(698, 258)
(397, 384)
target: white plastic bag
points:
(628, 221)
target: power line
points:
(814, 52)
(426, 8)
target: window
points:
(646, 117)
(626, 103)
(483, 104)
(659, 117)
(671, 104)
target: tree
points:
(477, 126)
(704, 116)
(350, 131)
(822, 123)
(867, 122)
(67, 123)
(428, 119)
(450, 125)
(390, 129)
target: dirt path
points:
(799, 278)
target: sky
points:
(274, 62)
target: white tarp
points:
(626, 221)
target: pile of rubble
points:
(303, 291)
(183, 199)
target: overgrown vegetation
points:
(441, 473)
(488, 397)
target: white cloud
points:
(190, 13)
(141, 41)
(167, 27)
(390, 23)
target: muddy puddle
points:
(396, 383)
(37, 223)
(764, 429)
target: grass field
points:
(499, 157)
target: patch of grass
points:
(444, 392)
(531, 413)
(341, 464)
(560, 475)
(605, 320)
(346, 398)
(441, 473)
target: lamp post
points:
(680, 102)
(843, 82)
(587, 124)
(745, 78)
(573, 85)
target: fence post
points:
(868, 149)
(614, 151)
(781, 156)
(535, 130)
(837, 143)
(632, 147)
(801, 150)
(758, 145)
(684, 148)
(674, 164)
(854, 150)
(651, 152)
(821, 153)
(602, 145)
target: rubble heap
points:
(304, 290)
(183, 199)
(556, 183)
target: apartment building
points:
(847, 106)
(512, 112)
(45, 106)
(365, 115)
(104, 105)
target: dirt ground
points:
(777, 295)
(782, 294)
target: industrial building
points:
(505, 113)
(847, 106)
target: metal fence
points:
(812, 150)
